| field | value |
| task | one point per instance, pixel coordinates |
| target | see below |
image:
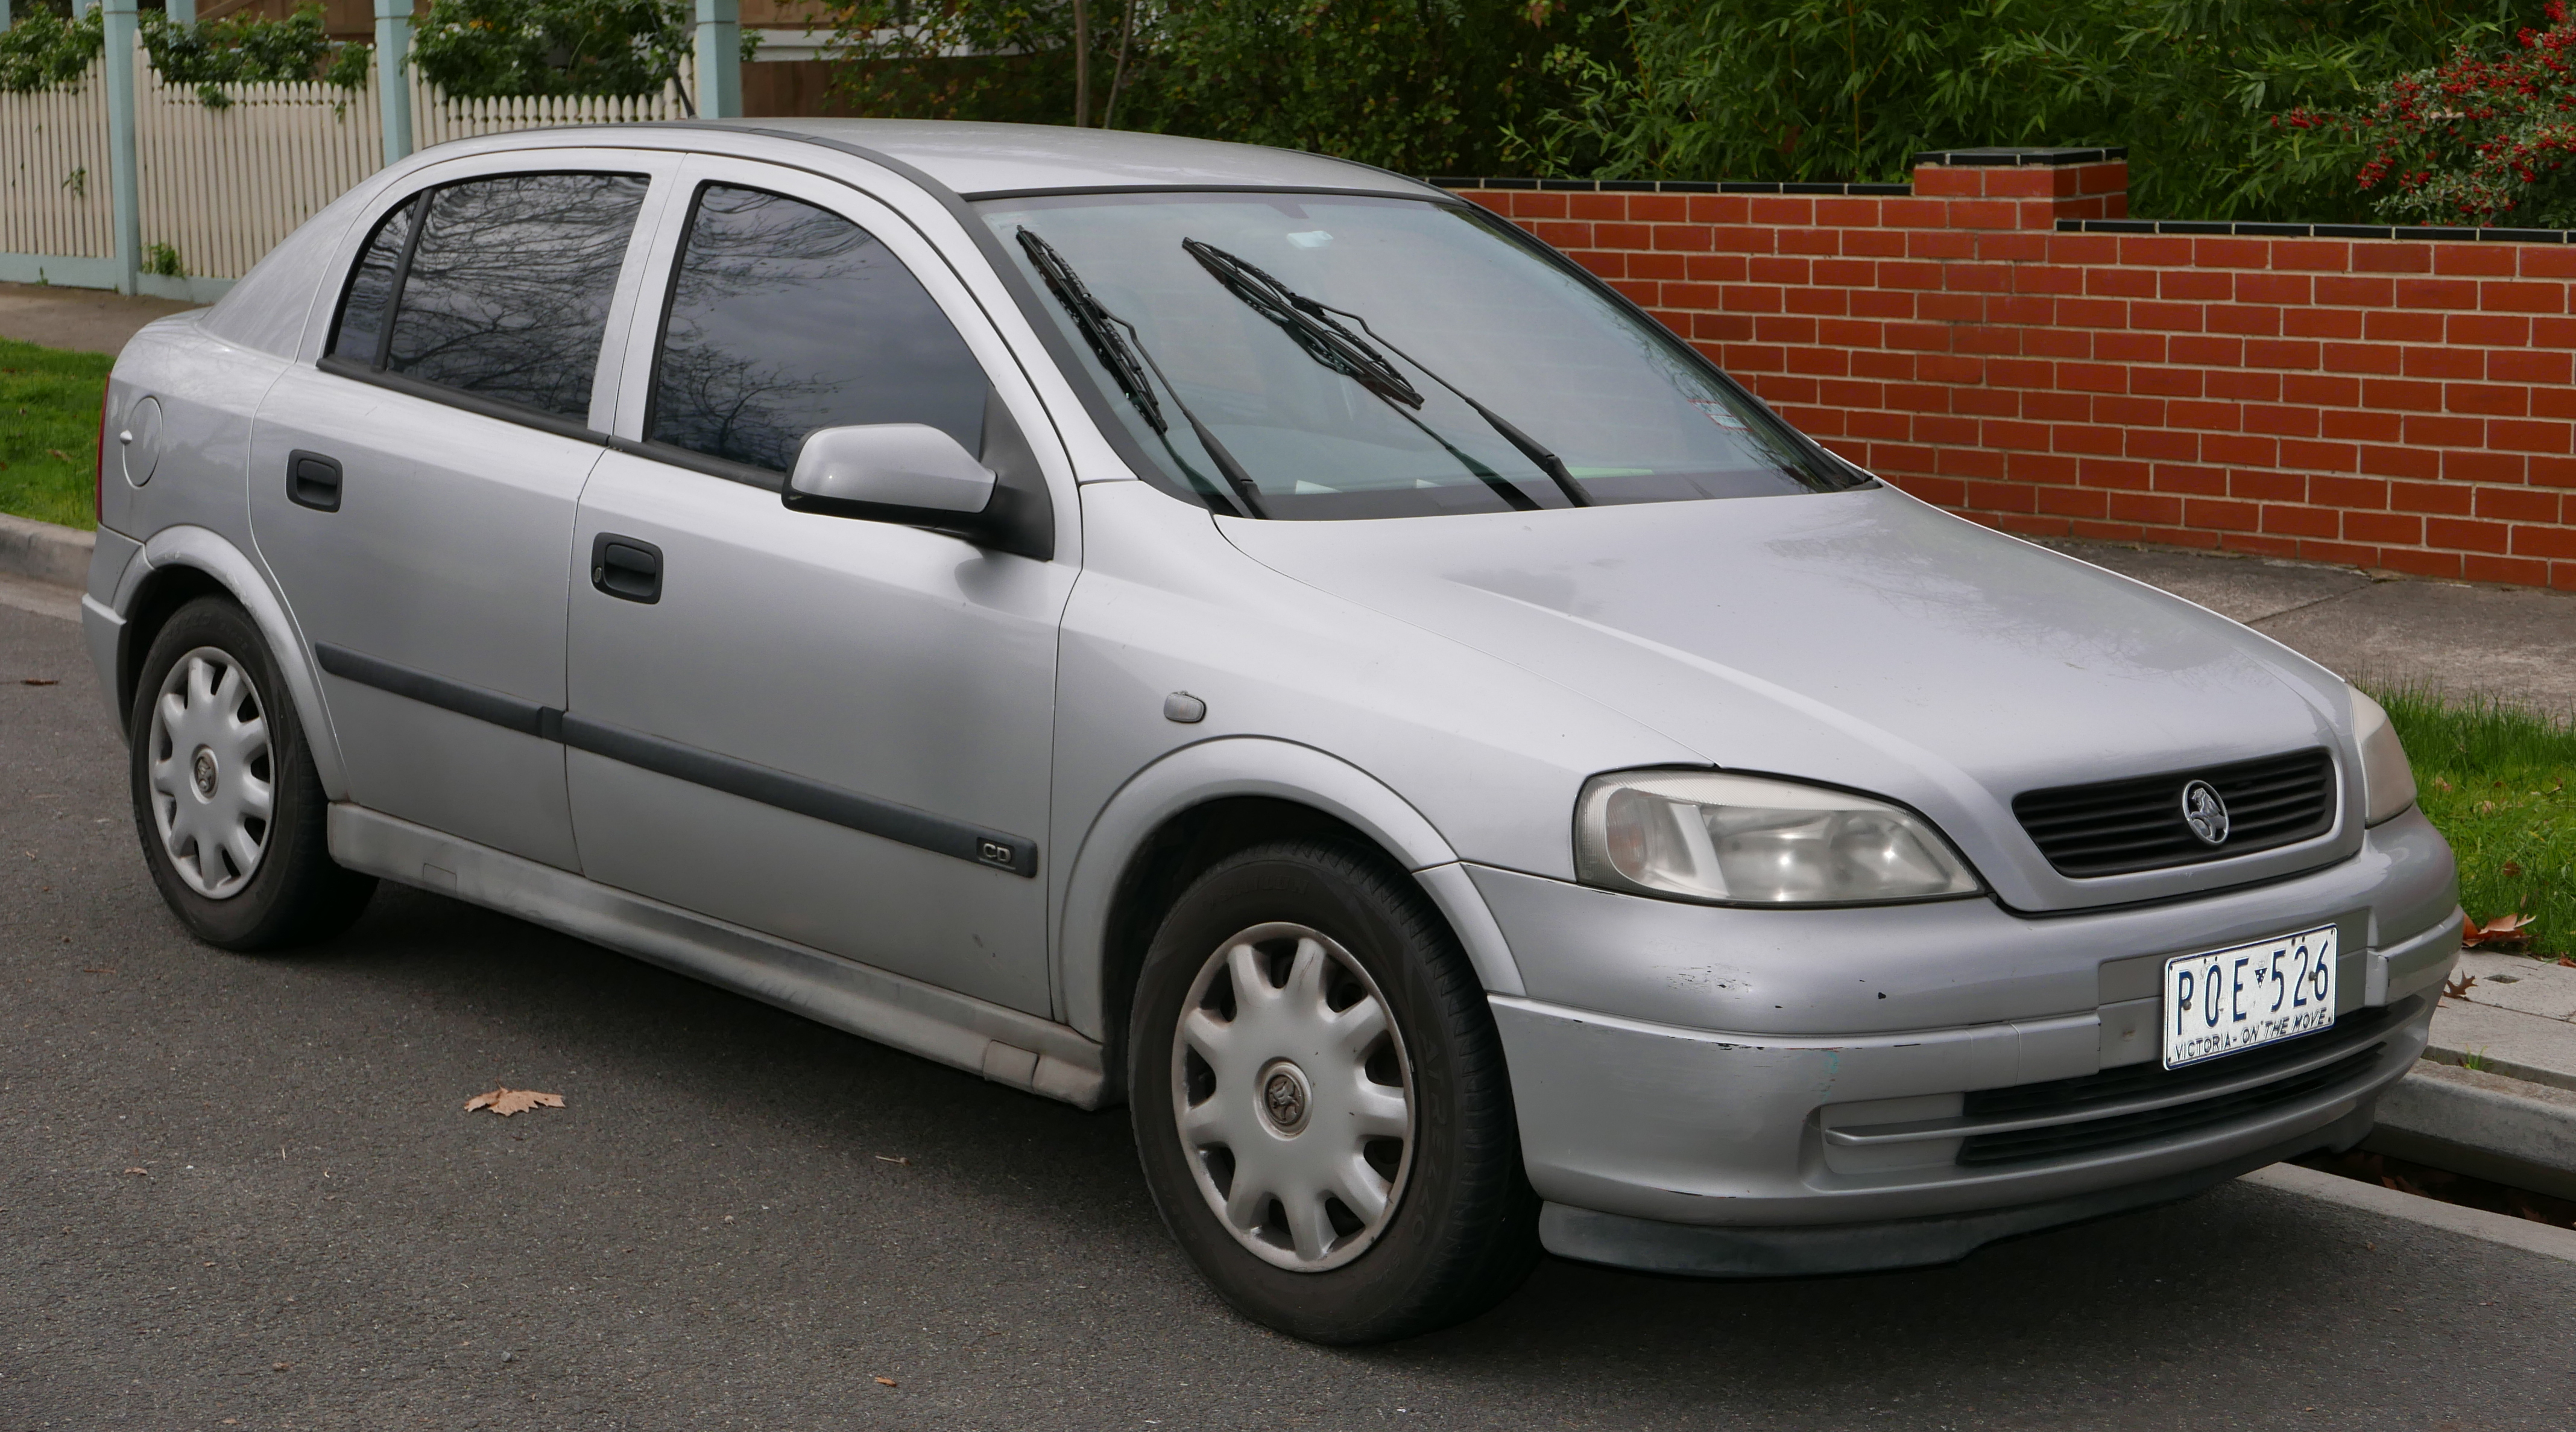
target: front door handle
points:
(313, 480)
(627, 568)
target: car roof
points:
(976, 159)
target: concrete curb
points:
(2485, 1125)
(2520, 1233)
(43, 552)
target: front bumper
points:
(1776, 1070)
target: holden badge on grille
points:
(2204, 812)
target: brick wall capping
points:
(2316, 231)
(2007, 155)
(1671, 186)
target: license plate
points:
(2228, 1001)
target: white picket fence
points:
(221, 186)
(53, 172)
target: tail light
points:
(98, 489)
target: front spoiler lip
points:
(1712, 1251)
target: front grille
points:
(2114, 827)
(2363, 1032)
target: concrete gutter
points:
(43, 552)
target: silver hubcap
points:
(213, 782)
(1293, 1097)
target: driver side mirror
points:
(892, 472)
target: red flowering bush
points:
(2482, 139)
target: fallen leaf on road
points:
(138, 1173)
(277, 1367)
(885, 1382)
(889, 1158)
(506, 1101)
(38, 681)
(2459, 988)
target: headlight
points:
(2387, 781)
(1702, 835)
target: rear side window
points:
(785, 318)
(496, 287)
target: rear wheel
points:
(1320, 1102)
(226, 800)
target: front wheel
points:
(1320, 1102)
(225, 796)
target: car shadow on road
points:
(2092, 1316)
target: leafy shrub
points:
(43, 50)
(2484, 136)
(1422, 86)
(1851, 89)
(483, 49)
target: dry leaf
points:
(58, 452)
(38, 681)
(506, 1101)
(138, 1173)
(885, 1382)
(2459, 988)
(2442, 785)
(889, 1158)
(2512, 870)
(2504, 932)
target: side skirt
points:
(1004, 1045)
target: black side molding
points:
(771, 787)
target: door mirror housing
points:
(892, 472)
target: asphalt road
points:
(741, 1219)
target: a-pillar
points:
(393, 87)
(719, 59)
(125, 196)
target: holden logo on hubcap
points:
(1283, 1098)
(2205, 813)
(203, 769)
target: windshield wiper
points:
(1312, 325)
(1119, 354)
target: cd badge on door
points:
(2204, 812)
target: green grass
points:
(49, 432)
(2500, 783)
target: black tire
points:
(295, 894)
(1463, 1230)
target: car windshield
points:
(1297, 355)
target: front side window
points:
(1297, 355)
(497, 287)
(785, 318)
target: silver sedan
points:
(1254, 638)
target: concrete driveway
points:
(742, 1220)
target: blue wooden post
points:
(393, 87)
(125, 196)
(719, 59)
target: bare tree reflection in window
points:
(785, 318)
(508, 291)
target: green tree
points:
(1851, 89)
(482, 49)
(1422, 86)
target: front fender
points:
(213, 554)
(1253, 766)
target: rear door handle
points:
(313, 480)
(627, 568)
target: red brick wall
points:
(2388, 402)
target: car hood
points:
(1863, 639)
